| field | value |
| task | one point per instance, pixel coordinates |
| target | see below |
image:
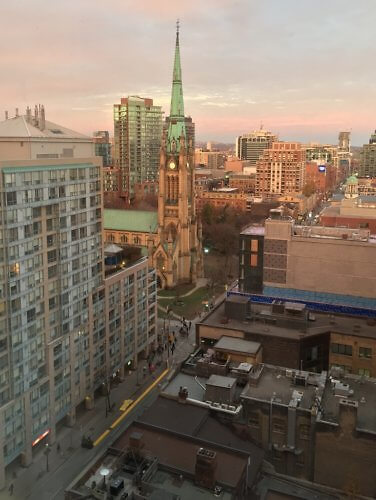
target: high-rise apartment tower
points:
(138, 134)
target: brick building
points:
(322, 177)
(224, 197)
(281, 169)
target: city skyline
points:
(301, 71)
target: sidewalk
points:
(29, 482)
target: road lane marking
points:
(130, 408)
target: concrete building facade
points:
(66, 330)
(31, 137)
(368, 158)
(251, 146)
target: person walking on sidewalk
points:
(11, 488)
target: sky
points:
(303, 68)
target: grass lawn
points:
(178, 290)
(192, 304)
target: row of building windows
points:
(347, 350)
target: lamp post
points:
(47, 451)
(104, 473)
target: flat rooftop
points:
(273, 382)
(256, 230)
(364, 393)
(333, 233)
(323, 323)
(237, 345)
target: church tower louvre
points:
(178, 255)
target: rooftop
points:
(277, 383)
(256, 230)
(364, 392)
(333, 233)
(142, 221)
(19, 127)
(294, 327)
(237, 345)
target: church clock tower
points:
(178, 255)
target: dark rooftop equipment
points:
(236, 307)
(116, 486)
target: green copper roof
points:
(352, 180)
(142, 221)
(176, 126)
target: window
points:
(254, 245)
(253, 260)
(253, 420)
(365, 352)
(279, 426)
(12, 198)
(364, 372)
(341, 349)
(304, 431)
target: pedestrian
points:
(11, 488)
(58, 447)
(144, 370)
(172, 348)
(189, 325)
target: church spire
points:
(176, 119)
(177, 103)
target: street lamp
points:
(104, 473)
(47, 451)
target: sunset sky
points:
(304, 68)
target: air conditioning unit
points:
(289, 373)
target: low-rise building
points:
(244, 183)
(221, 198)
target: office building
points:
(102, 146)
(251, 146)
(281, 169)
(138, 134)
(209, 159)
(68, 322)
(329, 265)
(31, 137)
(368, 158)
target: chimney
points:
(347, 416)
(182, 395)
(6, 115)
(136, 442)
(42, 120)
(28, 114)
(36, 120)
(206, 464)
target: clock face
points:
(172, 165)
